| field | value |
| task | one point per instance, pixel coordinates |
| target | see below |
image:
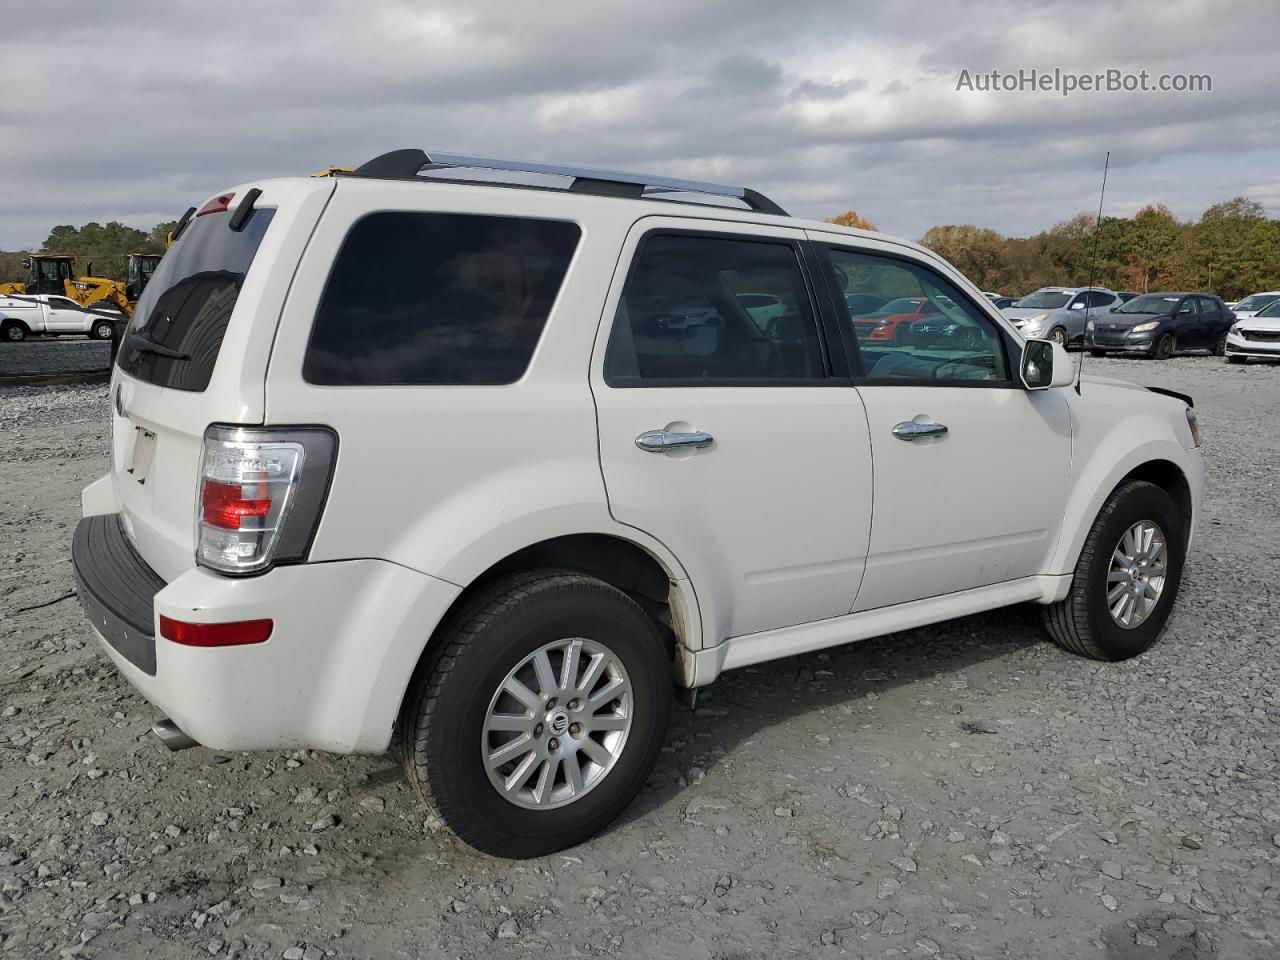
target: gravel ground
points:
(54, 355)
(962, 791)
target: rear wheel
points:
(1126, 578)
(102, 330)
(541, 714)
(1164, 347)
(14, 331)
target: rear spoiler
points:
(1173, 393)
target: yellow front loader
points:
(54, 274)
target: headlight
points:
(1089, 326)
(1038, 319)
(1235, 328)
(1144, 327)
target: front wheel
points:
(102, 330)
(540, 715)
(1058, 336)
(1220, 347)
(1163, 349)
(1126, 578)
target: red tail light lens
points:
(226, 506)
(235, 634)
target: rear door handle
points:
(910, 430)
(656, 441)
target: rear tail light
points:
(261, 494)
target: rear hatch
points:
(196, 353)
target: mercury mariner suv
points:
(481, 461)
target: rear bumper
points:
(347, 636)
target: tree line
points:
(1232, 250)
(107, 245)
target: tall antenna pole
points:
(1093, 264)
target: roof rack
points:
(408, 164)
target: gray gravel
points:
(961, 791)
(54, 354)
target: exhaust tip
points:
(171, 735)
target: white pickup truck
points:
(51, 315)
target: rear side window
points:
(437, 299)
(188, 302)
(708, 311)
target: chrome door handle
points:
(656, 441)
(910, 430)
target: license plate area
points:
(144, 452)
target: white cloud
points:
(824, 105)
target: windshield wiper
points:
(143, 344)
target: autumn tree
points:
(851, 218)
(974, 251)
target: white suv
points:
(481, 470)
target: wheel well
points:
(6, 322)
(1168, 477)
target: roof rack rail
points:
(408, 164)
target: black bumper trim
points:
(117, 589)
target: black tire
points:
(1097, 353)
(1059, 336)
(1082, 622)
(1236, 358)
(441, 727)
(102, 330)
(14, 331)
(1220, 347)
(1164, 348)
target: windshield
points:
(1256, 302)
(1272, 309)
(1151, 303)
(901, 305)
(1044, 300)
(188, 302)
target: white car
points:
(405, 461)
(1255, 336)
(22, 316)
(1252, 304)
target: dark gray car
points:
(1160, 324)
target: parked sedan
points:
(1160, 324)
(889, 322)
(1256, 337)
(1060, 313)
(1252, 304)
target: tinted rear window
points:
(189, 299)
(435, 298)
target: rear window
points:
(188, 301)
(437, 299)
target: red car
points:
(887, 323)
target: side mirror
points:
(1078, 305)
(1046, 364)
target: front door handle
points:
(656, 441)
(910, 430)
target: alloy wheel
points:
(1136, 576)
(557, 724)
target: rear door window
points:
(187, 304)
(714, 311)
(437, 299)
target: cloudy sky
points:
(135, 111)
